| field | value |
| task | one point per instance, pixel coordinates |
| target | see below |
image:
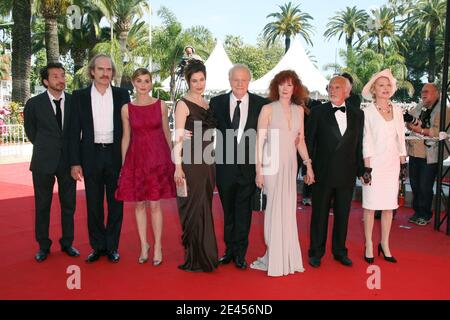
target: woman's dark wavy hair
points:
(192, 67)
(300, 94)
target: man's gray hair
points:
(348, 84)
(91, 65)
(242, 67)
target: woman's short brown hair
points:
(141, 72)
(299, 96)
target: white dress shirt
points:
(244, 112)
(103, 116)
(341, 118)
(63, 98)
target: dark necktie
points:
(339, 108)
(58, 112)
(236, 116)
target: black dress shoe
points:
(71, 251)
(240, 263)
(226, 259)
(114, 256)
(41, 255)
(94, 256)
(314, 262)
(344, 260)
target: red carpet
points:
(422, 271)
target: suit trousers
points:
(322, 196)
(43, 184)
(236, 202)
(104, 178)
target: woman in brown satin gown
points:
(195, 167)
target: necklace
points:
(384, 110)
(198, 101)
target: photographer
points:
(423, 121)
(189, 54)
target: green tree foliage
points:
(289, 22)
(169, 41)
(350, 22)
(427, 18)
(260, 59)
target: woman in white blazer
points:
(384, 153)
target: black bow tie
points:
(339, 108)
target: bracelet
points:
(305, 162)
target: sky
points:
(247, 18)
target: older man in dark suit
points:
(95, 154)
(47, 119)
(334, 134)
(237, 116)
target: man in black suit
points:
(237, 115)
(334, 135)
(47, 119)
(95, 154)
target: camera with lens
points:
(410, 119)
(181, 66)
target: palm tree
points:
(83, 40)
(348, 22)
(289, 22)
(126, 11)
(428, 18)
(21, 49)
(364, 63)
(168, 42)
(137, 50)
(50, 11)
(382, 26)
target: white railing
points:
(12, 134)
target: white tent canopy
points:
(297, 60)
(217, 67)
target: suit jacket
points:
(374, 142)
(50, 144)
(337, 160)
(220, 106)
(82, 147)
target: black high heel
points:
(368, 260)
(390, 259)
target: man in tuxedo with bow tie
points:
(236, 113)
(95, 154)
(46, 121)
(334, 135)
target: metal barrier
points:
(12, 134)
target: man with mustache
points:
(95, 154)
(47, 118)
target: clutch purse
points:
(259, 200)
(182, 190)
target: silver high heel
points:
(141, 259)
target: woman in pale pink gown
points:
(280, 137)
